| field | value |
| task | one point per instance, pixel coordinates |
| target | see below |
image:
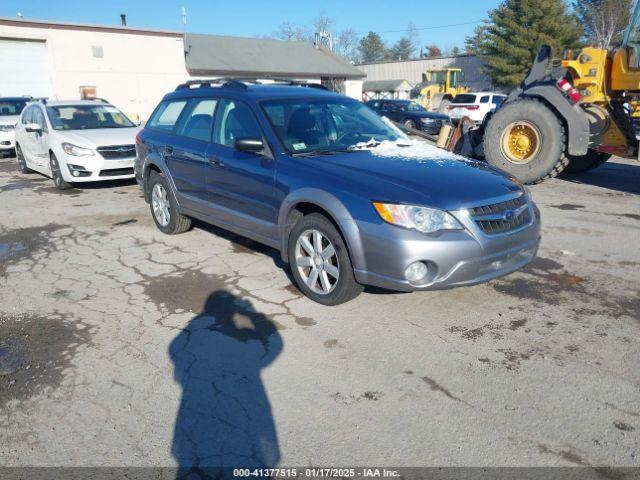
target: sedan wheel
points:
(317, 262)
(56, 175)
(160, 205)
(22, 163)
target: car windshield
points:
(87, 117)
(324, 125)
(11, 107)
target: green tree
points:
(604, 21)
(514, 32)
(455, 50)
(472, 42)
(402, 50)
(372, 48)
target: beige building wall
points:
(134, 72)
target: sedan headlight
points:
(427, 120)
(76, 151)
(423, 219)
(7, 128)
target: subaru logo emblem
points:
(123, 149)
(508, 215)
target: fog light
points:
(416, 271)
(75, 173)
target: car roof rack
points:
(98, 99)
(241, 82)
(40, 99)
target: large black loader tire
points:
(526, 139)
(586, 162)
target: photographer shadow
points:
(224, 420)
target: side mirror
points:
(249, 145)
(33, 128)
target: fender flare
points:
(160, 165)
(574, 117)
(338, 212)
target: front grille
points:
(116, 172)
(117, 151)
(502, 217)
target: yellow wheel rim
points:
(521, 142)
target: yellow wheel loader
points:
(438, 88)
(573, 120)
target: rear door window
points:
(198, 120)
(485, 99)
(167, 114)
(464, 98)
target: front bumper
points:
(454, 258)
(95, 168)
(7, 140)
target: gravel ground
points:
(122, 346)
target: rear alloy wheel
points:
(591, 160)
(56, 174)
(164, 207)
(320, 262)
(22, 162)
(526, 139)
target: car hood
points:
(9, 119)
(100, 137)
(420, 174)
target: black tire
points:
(345, 288)
(549, 159)
(22, 163)
(410, 124)
(591, 160)
(177, 223)
(56, 174)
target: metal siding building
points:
(134, 68)
(412, 70)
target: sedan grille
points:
(502, 217)
(117, 151)
(116, 172)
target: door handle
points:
(168, 150)
(215, 161)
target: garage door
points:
(25, 68)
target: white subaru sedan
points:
(75, 141)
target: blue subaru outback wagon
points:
(345, 196)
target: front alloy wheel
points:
(317, 262)
(320, 261)
(22, 162)
(56, 174)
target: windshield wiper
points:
(329, 151)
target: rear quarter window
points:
(166, 115)
(464, 98)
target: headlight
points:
(6, 128)
(76, 151)
(427, 120)
(423, 219)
